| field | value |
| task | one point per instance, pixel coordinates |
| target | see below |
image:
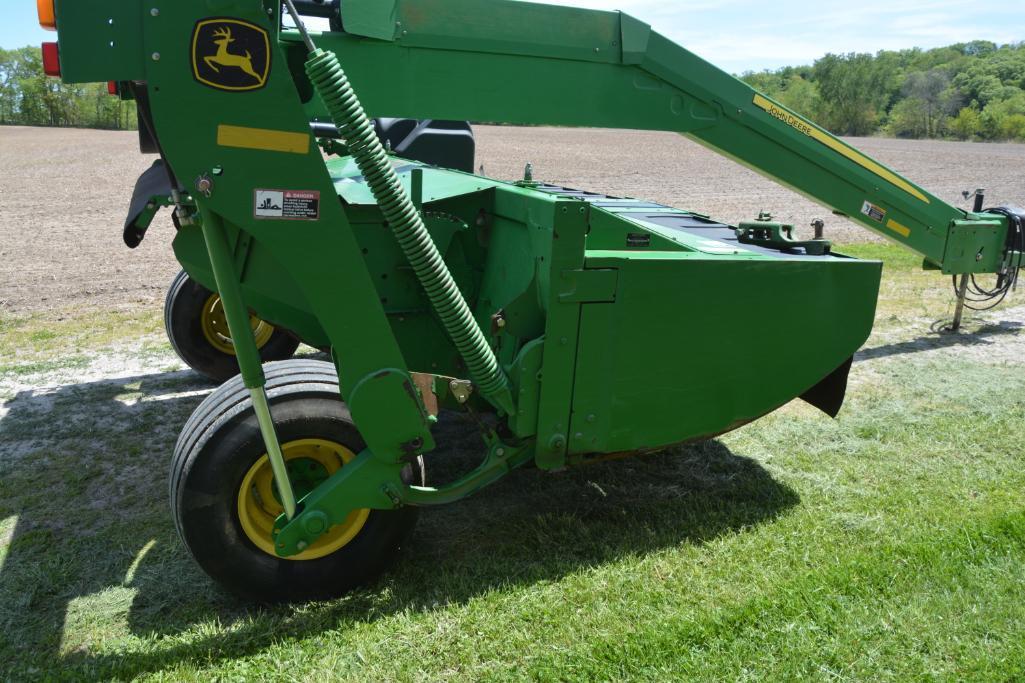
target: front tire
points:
(224, 502)
(198, 331)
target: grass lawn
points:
(888, 544)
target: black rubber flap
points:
(828, 395)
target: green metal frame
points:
(607, 347)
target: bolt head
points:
(156, 56)
(154, 12)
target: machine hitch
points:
(765, 233)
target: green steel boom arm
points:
(518, 62)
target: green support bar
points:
(246, 351)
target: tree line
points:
(966, 91)
(30, 98)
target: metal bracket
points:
(461, 389)
(765, 233)
(369, 482)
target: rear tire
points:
(198, 333)
(223, 518)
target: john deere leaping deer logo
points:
(230, 54)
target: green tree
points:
(929, 100)
(29, 97)
(909, 118)
(769, 83)
(1009, 66)
(8, 88)
(1013, 127)
(976, 48)
(967, 90)
(978, 83)
(802, 96)
(967, 124)
(790, 87)
(999, 119)
(853, 90)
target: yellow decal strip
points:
(799, 124)
(263, 139)
(901, 230)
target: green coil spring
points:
(349, 116)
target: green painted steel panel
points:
(975, 246)
(693, 347)
(101, 40)
(372, 18)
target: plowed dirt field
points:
(64, 193)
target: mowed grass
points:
(888, 544)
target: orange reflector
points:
(111, 87)
(47, 17)
(51, 60)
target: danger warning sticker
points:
(289, 205)
(876, 213)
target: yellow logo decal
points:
(230, 54)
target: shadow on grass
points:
(937, 339)
(93, 525)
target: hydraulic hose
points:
(408, 227)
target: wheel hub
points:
(309, 462)
(215, 327)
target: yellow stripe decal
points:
(901, 230)
(799, 124)
(263, 139)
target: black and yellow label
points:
(230, 54)
(792, 120)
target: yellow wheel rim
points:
(309, 461)
(215, 327)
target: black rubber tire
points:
(219, 444)
(183, 309)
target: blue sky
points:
(738, 35)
